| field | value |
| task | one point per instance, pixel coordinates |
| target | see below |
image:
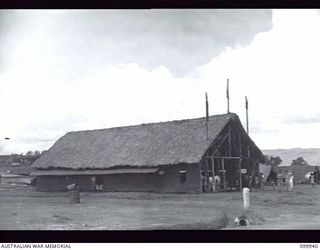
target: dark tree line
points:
(27, 158)
(299, 162)
(272, 160)
(276, 161)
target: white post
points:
(246, 198)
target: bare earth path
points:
(21, 208)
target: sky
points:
(68, 70)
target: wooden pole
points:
(200, 165)
(240, 152)
(213, 171)
(247, 116)
(220, 144)
(230, 145)
(224, 176)
(240, 175)
(229, 138)
(228, 99)
(207, 117)
(207, 173)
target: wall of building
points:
(60, 183)
(169, 181)
(131, 182)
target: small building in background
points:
(301, 173)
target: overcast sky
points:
(72, 70)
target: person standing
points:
(211, 184)
(202, 183)
(279, 179)
(214, 185)
(291, 182)
(287, 180)
(217, 183)
(273, 184)
(256, 182)
(99, 183)
(312, 179)
(93, 181)
(261, 181)
(247, 180)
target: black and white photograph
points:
(159, 119)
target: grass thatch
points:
(59, 172)
(153, 144)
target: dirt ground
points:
(22, 208)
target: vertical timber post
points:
(200, 165)
(247, 116)
(230, 152)
(240, 152)
(213, 171)
(229, 138)
(224, 176)
(228, 97)
(207, 117)
(207, 168)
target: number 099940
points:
(308, 245)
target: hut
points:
(174, 156)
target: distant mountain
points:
(311, 155)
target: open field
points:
(21, 208)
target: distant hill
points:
(311, 155)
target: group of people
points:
(214, 183)
(211, 185)
(284, 180)
(97, 183)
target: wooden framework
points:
(231, 152)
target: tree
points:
(299, 162)
(29, 153)
(272, 160)
(37, 152)
(32, 156)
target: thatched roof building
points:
(154, 146)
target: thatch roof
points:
(148, 145)
(95, 172)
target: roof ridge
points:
(152, 123)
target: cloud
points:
(71, 70)
(302, 119)
(73, 43)
(37, 114)
(278, 72)
(43, 95)
(262, 130)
